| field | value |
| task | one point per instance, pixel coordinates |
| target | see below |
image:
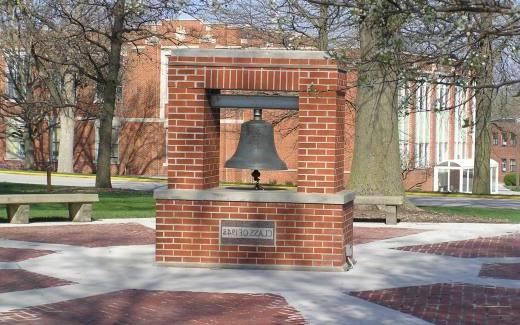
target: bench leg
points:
(18, 213)
(80, 212)
(390, 214)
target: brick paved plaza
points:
(19, 280)
(84, 235)
(20, 254)
(451, 303)
(161, 307)
(104, 273)
(497, 246)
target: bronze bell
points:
(256, 149)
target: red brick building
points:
(504, 145)
(428, 133)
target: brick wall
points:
(313, 235)
(419, 180)
(506, 152)
(141, 101)
(141, 148)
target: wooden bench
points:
(387, 204)
(18, 205)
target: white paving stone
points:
(321, 297)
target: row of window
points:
(15, 86)
(512, 165)
(15, 147)
(507, 138)
(422, 133)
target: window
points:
(55, 142)
(180, 33)
(504, 165)
(14, 145)
(99, 93)
(513, 140)
(208, 38)
(15, 83)
(119, 93)
(10, 87)
(442, 123)
(422, 132)
(404, 126)
(504, 139)
(114, 146)
(460, 129)
(495, 139)
(512, 165)
(152, 40)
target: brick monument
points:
(202, 224)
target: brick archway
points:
(310, 227)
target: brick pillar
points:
(321, 132)
(193, 131)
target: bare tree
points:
(96, 31)
(23, 105)
(292, 24)
(464, 40)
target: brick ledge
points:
(234, 195)
(252, 53)
(275, 267)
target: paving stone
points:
(499, 246)
(135, 234)
(363, 235)
(451, 303)
(18, 280)
(83, 235)
(20, 254)
(161, 307)
(509, 271)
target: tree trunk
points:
(29, 160)
(109, 98)
(484, 99)
(67, 123)
(376, 162)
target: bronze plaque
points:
(247, 232)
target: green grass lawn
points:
(511, 215)
(465, 195)
(112, 204)
(140, 204)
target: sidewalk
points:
(503, 190)
(81, 181)
(412, 273)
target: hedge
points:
(510, 179)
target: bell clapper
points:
(257, 114)
(256, 178)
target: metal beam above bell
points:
(254, 101)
